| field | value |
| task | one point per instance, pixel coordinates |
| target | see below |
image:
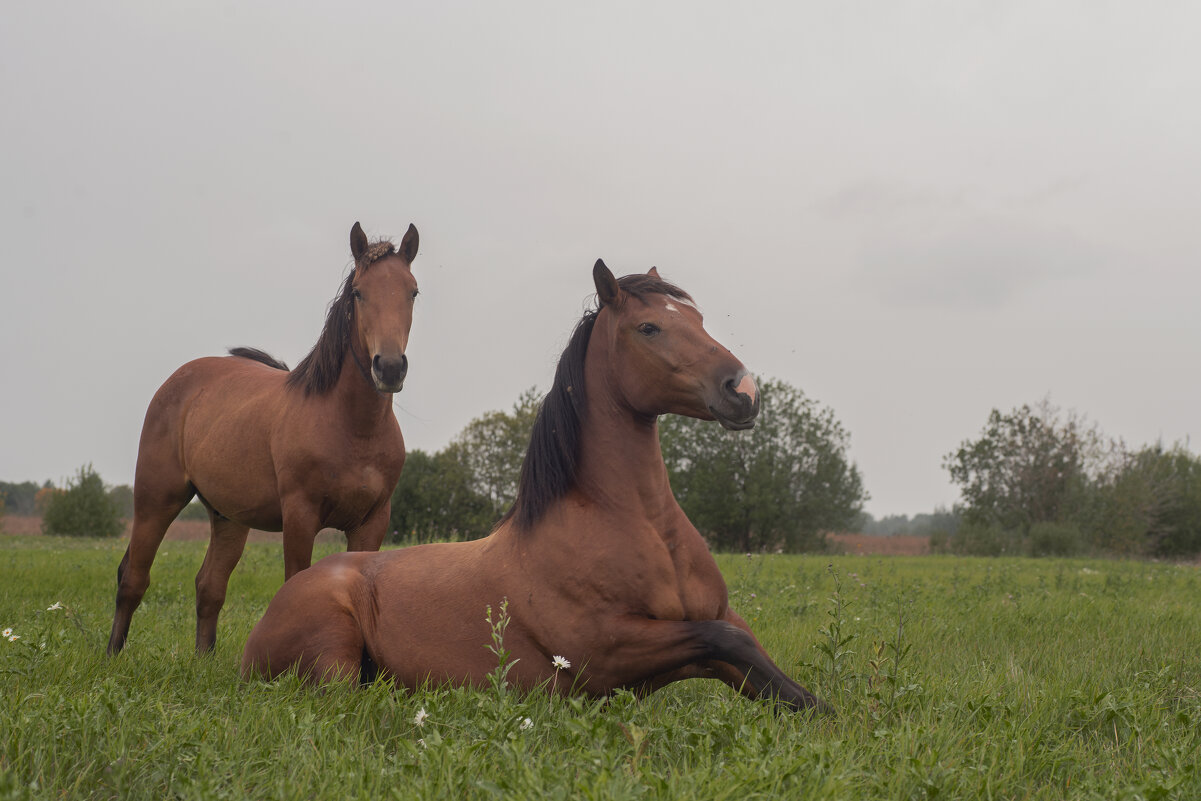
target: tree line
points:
(1043, 481)
(1036, 480)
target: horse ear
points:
(606, 285)
(408, 245)
(654, 273)
(358, 242)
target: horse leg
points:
(658, 648)
(301, 525)
(310, 625)
(732, 675)
(226, 543)
(369, 535)
(154, 509)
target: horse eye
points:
(414, 294)
(648, 329)
(356, 294)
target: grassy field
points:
(954, 678)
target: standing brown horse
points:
(276, 450)
(600, 566)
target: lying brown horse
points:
(598, 562)
(275, 450)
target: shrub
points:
(194, 511)
(1055, 539)
(985, 539)
(84, 509)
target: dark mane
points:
(318, 371)
(256, 355)
(549, 468)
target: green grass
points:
(954, 678)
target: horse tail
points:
(254, 354)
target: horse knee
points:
(131, 586)
(209, 598)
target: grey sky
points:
(915, 212)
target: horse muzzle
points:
(737, 403)
(388, 372)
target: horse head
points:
(662, 359)
(383, 291)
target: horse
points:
(604, 581)
(277, 450)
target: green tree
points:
(19, 498)
(434, 500)
(783, 484)
(122, 498)
(1149, 503)
(492, 447)
(1032, 465)
(84, 509)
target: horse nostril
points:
(404, 364)
(375, 365)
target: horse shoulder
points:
(702, 586)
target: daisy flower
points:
(559, 663)
(419, 718)
(526, 724)
(55, 606)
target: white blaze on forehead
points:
(746, 386)
(671, 307)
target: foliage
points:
(41, 500)
(970, 678)
(984, 539)
(1055, 539)
(491, 448)
(435, 500)
(122, 498)
(1149, 502)
(84, 509)
(19, 498)
(1028, 466)
(1048, 484)
(781, 485)
(194, 511)
(941, 521)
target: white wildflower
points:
(6, 633)
(419, 718)
(14, 637)
(559, 663)
(57, 605)
(526, 724)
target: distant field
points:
(954, 678)
(860, 544)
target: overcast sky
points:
(914, 212)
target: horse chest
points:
(669, 588)
(350, 496)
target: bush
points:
(194, 511)
(434, 500)
(1055, 539)
(980, 539)
(84, 509)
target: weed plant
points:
(956, 678)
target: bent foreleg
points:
(648, 653)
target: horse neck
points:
(365, 406)
(620, 463)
